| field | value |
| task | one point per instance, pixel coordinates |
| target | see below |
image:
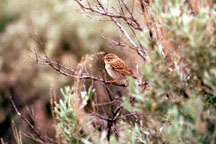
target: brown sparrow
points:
(117, 68)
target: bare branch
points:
(113, 18)
(65, 70)
(129, 38)
(107, 103)
(109, 14)
(44, 140)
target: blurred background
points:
(68, 36)
(184, 97)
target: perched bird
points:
(117, 68)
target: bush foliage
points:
(180, 72)
(171, 46)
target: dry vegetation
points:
(170, 45)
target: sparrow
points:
(117, 68)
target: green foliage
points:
(180, 99)
(68, 124)
(86, 96)
(185, 102)
(131, 134)
(68, 113)
(68, 35)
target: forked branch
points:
(66, 71)
(129, 19)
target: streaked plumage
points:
(116, 67)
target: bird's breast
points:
(114, 74)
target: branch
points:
(68, 72)
(107, 103)
(103, 11)
(140, 52)
(109, 14)
(124, 32)
(30, 125)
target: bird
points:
(117, 68)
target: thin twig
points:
(30, 125)
(103, 11)
(62, 70)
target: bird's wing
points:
(120, 66)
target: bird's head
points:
(109, 57)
